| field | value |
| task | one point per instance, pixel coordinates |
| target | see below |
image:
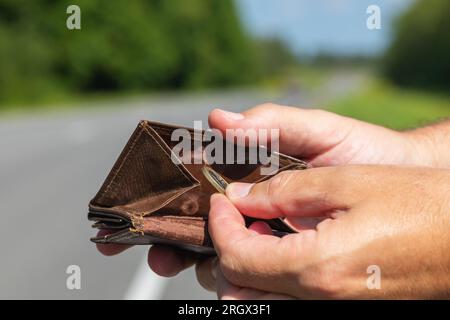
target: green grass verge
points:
(386, 105)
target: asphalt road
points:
(52, 164)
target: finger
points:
(315, 192)
(225, 222)
(228, 291)
(304, 223)
(110, 249)
(168, 262)
(304, 133)
(206, 271)
(260, 227)
(257, 261)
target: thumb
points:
(315, 192)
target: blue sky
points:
(312, 26)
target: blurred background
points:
(69, 99)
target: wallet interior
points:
(148, 198)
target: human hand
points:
(397, 218)
(320, 137)
(327, 139)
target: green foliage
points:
(383, 104)
(123, 45)
(275, 56)
(420, 52)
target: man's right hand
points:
(320, 137)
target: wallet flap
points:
(144, 177)
(149, 198)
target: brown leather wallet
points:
(149, 199)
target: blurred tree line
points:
(420, 53)
(124, 45)
(142, 45)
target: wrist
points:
(422, 148)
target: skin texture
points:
(349, 215)
(408, 240)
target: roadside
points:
(386, 105)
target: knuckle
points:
(267, 106)
(327, 181)
(267, 109)
(279, 182)
(280, 188)
(320, 112)
(276, 186)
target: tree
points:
(122, 45)
(420, 51)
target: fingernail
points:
(232, 115)
(238, 190)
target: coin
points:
(219, 183)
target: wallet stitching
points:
(168, 134)
(138, 223)
(169, 200)
(173, 217)
(164, 149)
(118, 237)
(189, 177)
(108, 187)
(163, 204)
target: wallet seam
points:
(165, 203)
(119, 167)
(164, 148)
(158, 132)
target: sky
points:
(313, 26)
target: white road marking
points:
(146, 285)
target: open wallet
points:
(148, 198)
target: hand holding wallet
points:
(149, 199)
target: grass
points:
(378, 102)
(384, 104)
(308, 77)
